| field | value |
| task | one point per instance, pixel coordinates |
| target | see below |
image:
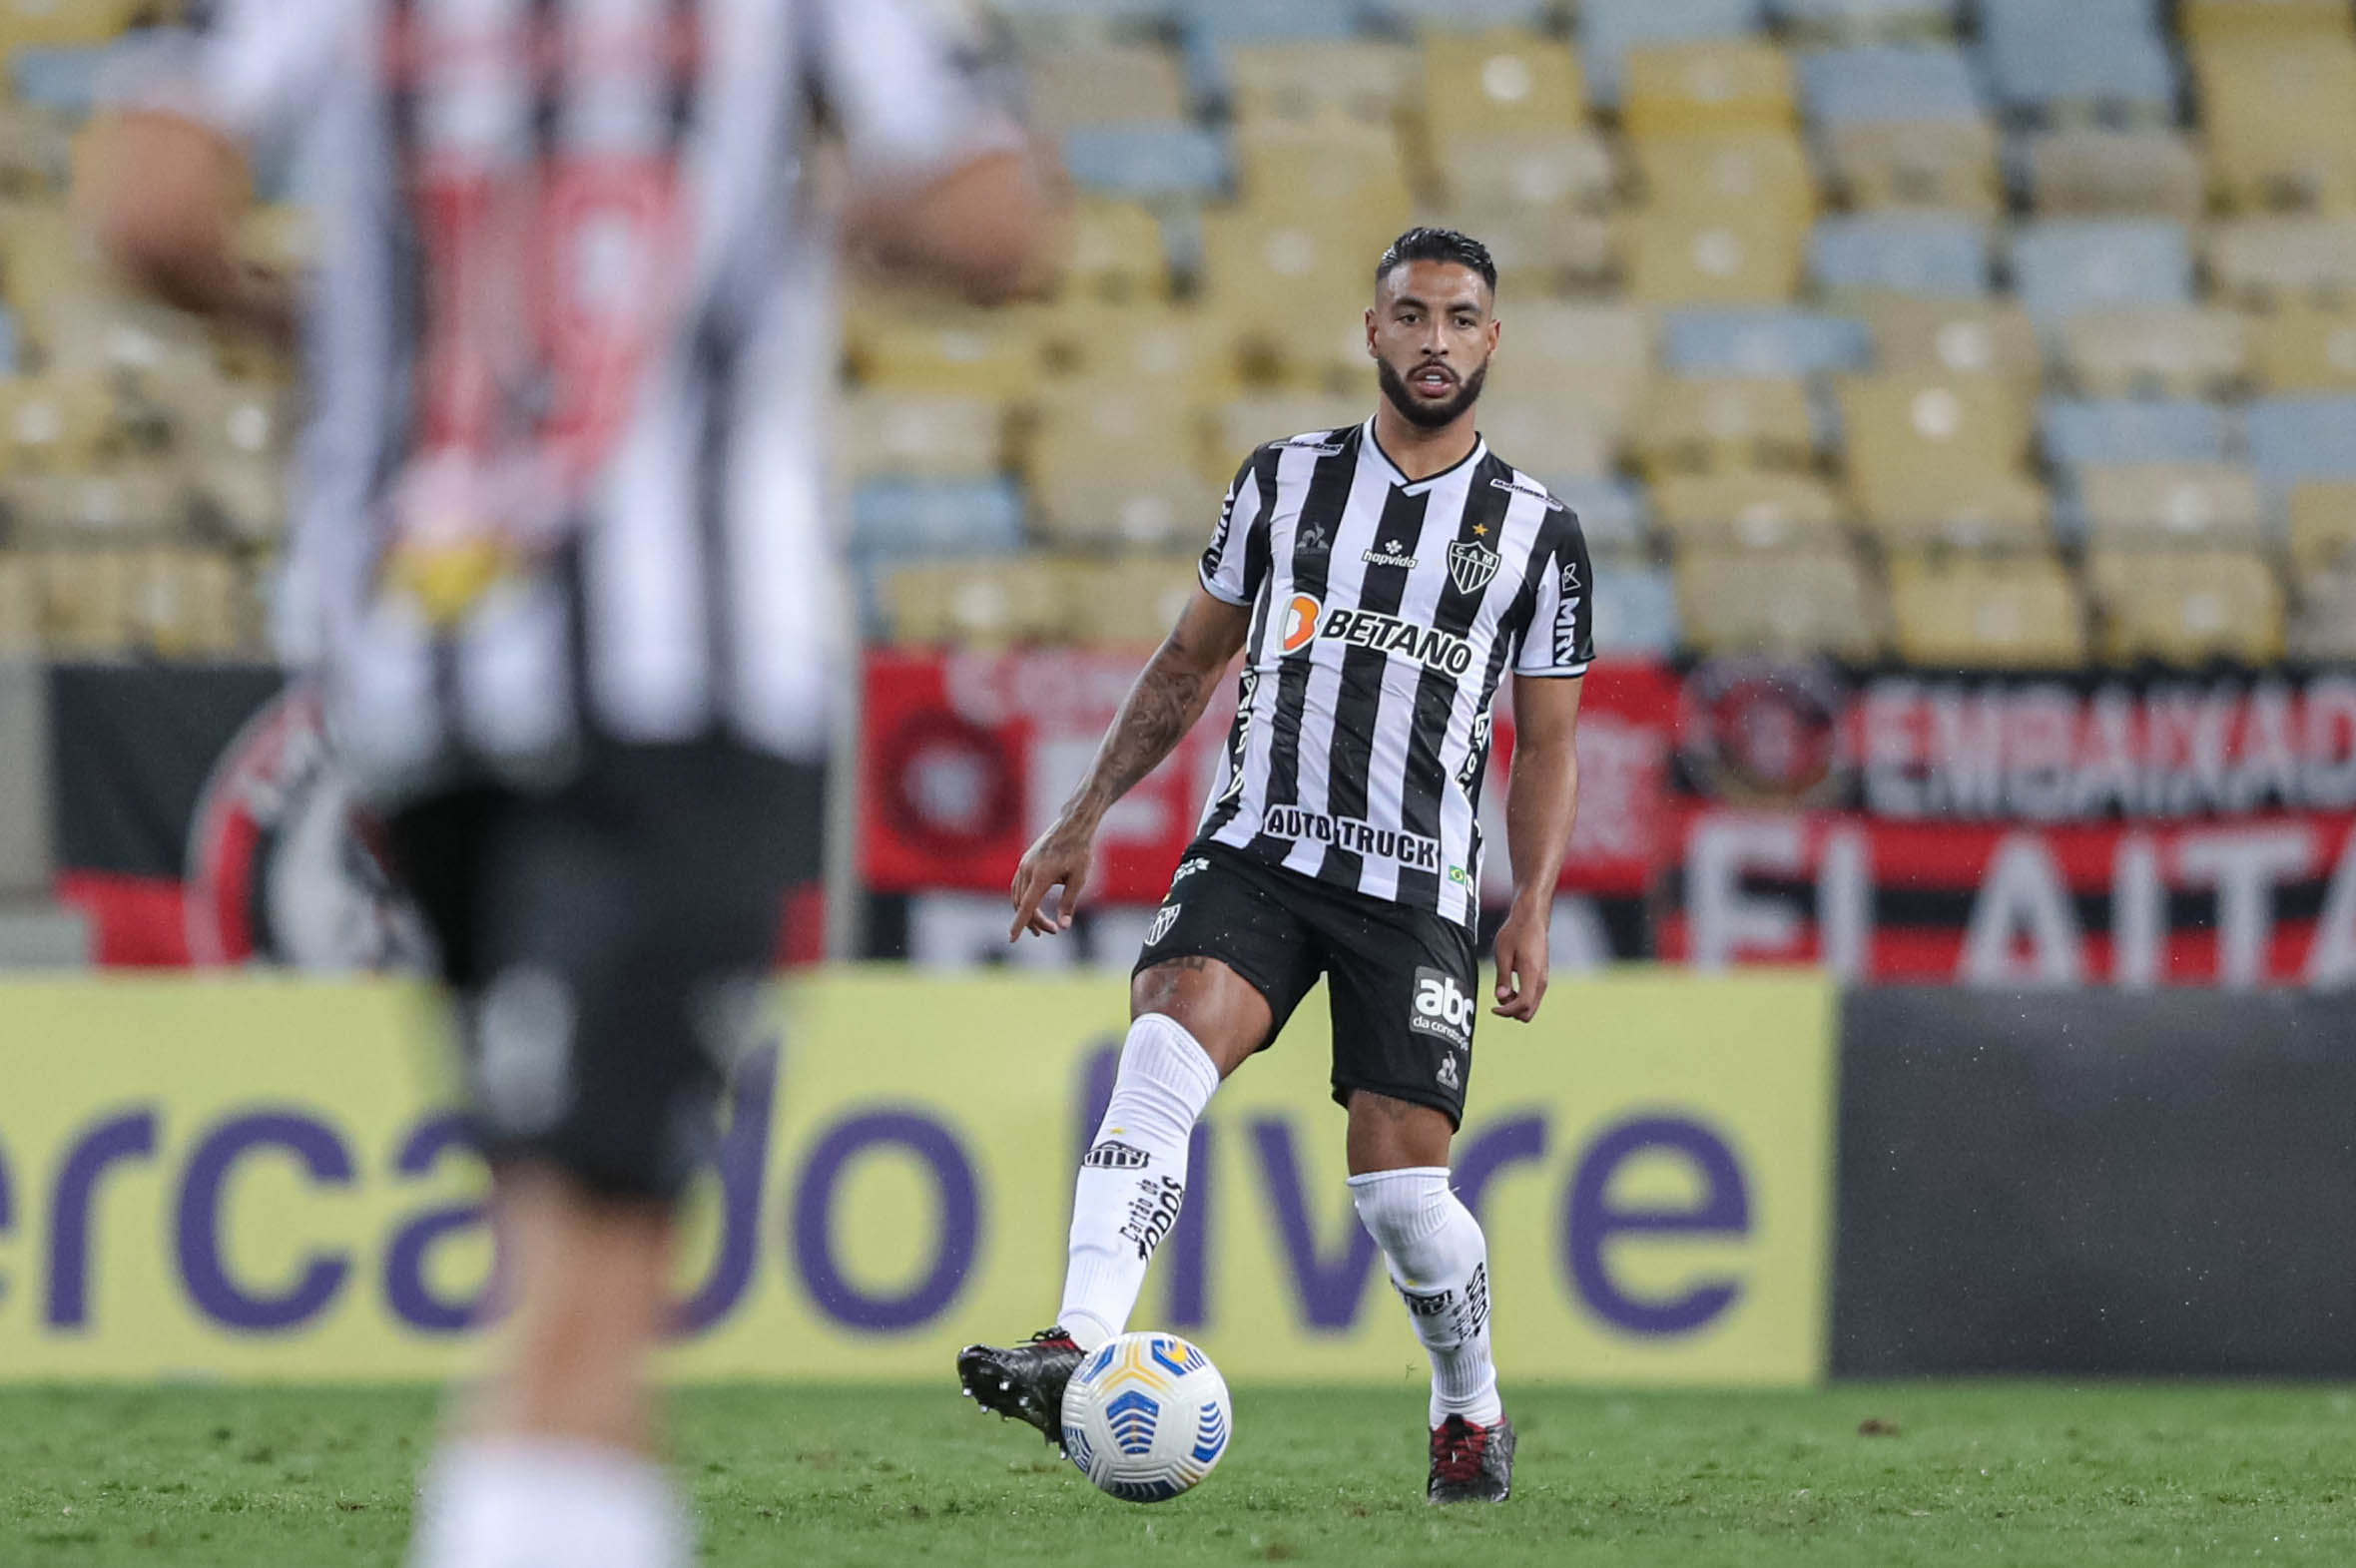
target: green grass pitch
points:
(1884, 1475)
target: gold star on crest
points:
(1480, 530)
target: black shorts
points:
(604, 945)
(1402, 982)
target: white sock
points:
(1439, 1262)
(1134, 1178)
(537, 1502)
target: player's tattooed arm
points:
(1168, 696)
(1541, 804)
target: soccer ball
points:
(1146, 1416)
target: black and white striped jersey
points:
(576, 315)
(1384, 612)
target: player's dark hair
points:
(1437, 244)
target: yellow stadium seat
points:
(1540, 253)
(55, 425)
(1738, 255)
(86, 598)
(1705, 424)
(2323, 526)
(36, 155)
(1558, 439)
(1947, 165)
(1282, 165)
(2260, 260)
(2002, 612)
(1327, 78)
(203, 415)
(100, 331)
(1118, 254)
(1150, 504)
(1749, 509)
(2156, 351)
(1779, 601)
(2325, 630)
(2129, 504)
(1100, 83)
(1549, 167)
(20, 606)
(1590, 360)
(2305, 348)
(1182, 347)
(2093, 172)
(1132, 601)
(1955, 338)
(1935, 456)
(61, 24)
(1500, 79)
(925, 434)
(2204, 20)
(1714, 87)
(40, 257)
(184, 603)
(244, 497)
(2280, 120)
(117, 503)
(2187, 606)
(1708, 175)
(1248, 422)
(982, 603)
(966, 354)
(1291, 289)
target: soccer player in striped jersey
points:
(564, 568)
(1380, 581)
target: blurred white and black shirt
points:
(572, 351)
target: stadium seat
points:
(1610, 511)
(1940, 457)
(1356, 79)
(1540, 253)
(1146, 161)
(1551, 434)
(1929, 257)
(1858, 21)
(2061, 266)
(40, 257)
(2005, 612)
(1609, 29)
(1118, 254)
(1184, 349)
(1509, 169)
(1508, 80)
(1944, 165)
(1104, 83)
(1883, 84)
(1955, 336)
(2265, 261)
(10, 357)
(2084, 55)
(85, 600)
(1593, 357)
(1287, 291)
(2156, 351)
(2204, 20)
(1248, 422)
(968, 354)
(901, 517)
(63, 81)
(2214, 504)
(55, 425)
(2324, 629)
(1062, 22)
(2323, 527)
(2082, 434)
(1763, 342)
(240, 498)
(1749, 509)
(1712, 87)
(2102, 171)
(977, 603)
(2280, 119)
(2295, 439)
(37, 24)
(1778, 601)
(184, 603)
(1283, 164)
(1723, 422)
(1209, 27)
(114, 503)
(20, 606)
(1412, 14)
(1155, 502)
(2305, 348)
(1635, 609)
(2187, 606)
(1132, 601)
(921, 435)
(1709, 175)
(36, 153)
(1737, 255)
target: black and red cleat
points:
(1024, 1382)
(1470, 1464)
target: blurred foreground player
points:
(1379, 581)
(562, 567)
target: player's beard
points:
(1423, 415)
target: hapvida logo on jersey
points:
(1307, 621)
(1412, 851)
(1442, 1009)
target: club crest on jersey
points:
(1162, 921)
(1471, 566)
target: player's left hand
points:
(1521, 963)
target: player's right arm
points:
(1167, 699)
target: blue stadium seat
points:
(2079, 434)
(1610, 511)
(2086, 52)
(7, 342)
(1933, 257)
(1146, 161)
(2295, 439)
(1087, 11)
(1635, 611)
(1858, 17)
(909, 517)
(1764, 342)
(1890, 83)
(1461, 13)
(1212, 24)
(2066, 266)
(64, 81)
(1609, 28)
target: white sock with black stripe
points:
(1439, 1261)
(1134, 1178)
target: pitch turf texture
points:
(2029, 1473)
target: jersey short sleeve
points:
(1560, 639)
(252, 70)
(1232, 568)
(909, 92)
